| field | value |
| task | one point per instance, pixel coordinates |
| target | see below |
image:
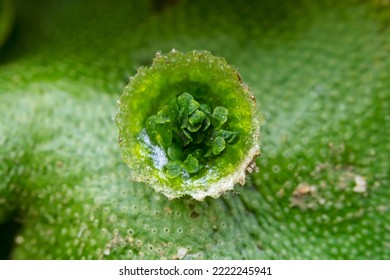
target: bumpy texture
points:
(163, 149)
(320, 72)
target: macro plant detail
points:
(317, 69)
(190, 133)
(197, 133)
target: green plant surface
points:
(6, 19)
(181, 148)
(319, 71)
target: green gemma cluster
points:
(190, 132)
(197, 132)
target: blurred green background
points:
(320, 71)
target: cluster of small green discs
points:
(190, 132)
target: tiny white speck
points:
(19, 239)
(181, 252)
(361, 184)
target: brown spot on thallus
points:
(194, 214)
(302, 189)
(239, 77)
